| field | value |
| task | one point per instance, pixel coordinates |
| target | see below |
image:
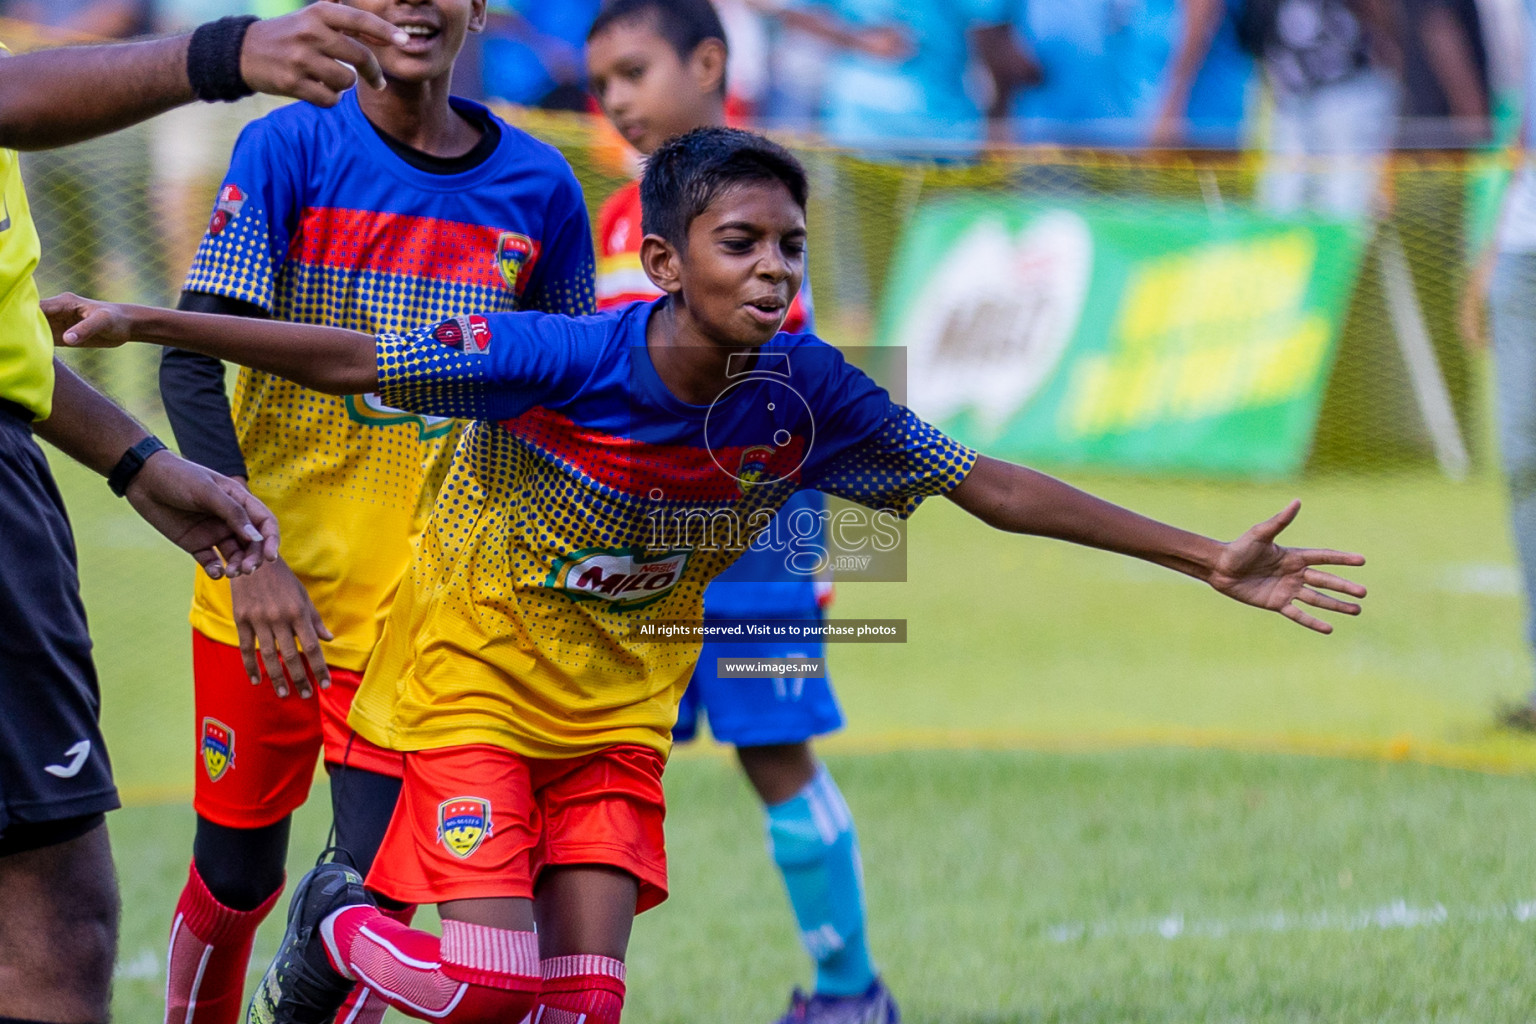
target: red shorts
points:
(256, 751)
(480, 821)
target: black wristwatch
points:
(132, 461)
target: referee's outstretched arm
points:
(55, 97)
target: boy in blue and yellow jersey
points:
(396, 208)
(517, 670)
(658, 69)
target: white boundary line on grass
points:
(1397, 914)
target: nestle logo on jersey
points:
(469, 334)
(629, 577)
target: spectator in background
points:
(1106, 68)
(1080, 98)
(898, 80)
(1327, 64)
(797, 69)
(1445, 74)
(531, 52)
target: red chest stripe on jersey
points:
(637, 467)
(394, 243)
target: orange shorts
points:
(480, 821)
(256, 751)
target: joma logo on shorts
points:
(625, 576)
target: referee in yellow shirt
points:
(58, 893)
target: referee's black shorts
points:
(53, 762)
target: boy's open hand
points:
(1255, 570)
(86, 323)
(277, 622)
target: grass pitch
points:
(1069, 782)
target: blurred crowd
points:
(936, 76)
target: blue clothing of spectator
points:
(1080, 97)
(1218, 97)
(1105, 67)
(872, 102)
(533, 48)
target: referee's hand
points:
(316, 53)
(220, 523)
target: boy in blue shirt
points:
(583, 505)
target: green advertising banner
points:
(1152, 337)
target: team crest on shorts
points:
(463, 823)
(218, 748)
(514, 255)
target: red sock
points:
(584, 989)
(210, 954)
(473, 975)
(364, 1006)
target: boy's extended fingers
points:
(1301, 618)
(1270, 528)
(1328, 604)
(1328, 581)
(1328, 556)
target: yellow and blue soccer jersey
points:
(586, 501)
(26, 346)
(319, 221)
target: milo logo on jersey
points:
(218, 748)
(370, 409)
(469, 334)
(627, 577)
(463, 823)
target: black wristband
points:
(132, 461)
(213, 59)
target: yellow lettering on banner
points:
(1204, 333)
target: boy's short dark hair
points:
(689, 172)
(684, 24)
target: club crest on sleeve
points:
(218, 748)
(463, 823)
(230, 202)
(468, 334)
(514, 257)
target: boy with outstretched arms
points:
(397, 208)
(658, 69)
(515, 671)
